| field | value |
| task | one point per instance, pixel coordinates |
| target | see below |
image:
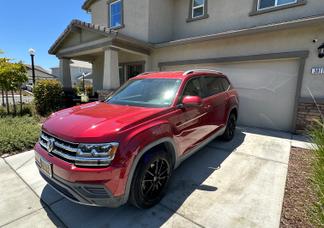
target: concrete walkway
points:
(235, 184)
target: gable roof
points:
(99, 29)
(86, 5)
(79, 24)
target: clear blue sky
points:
(36, 24)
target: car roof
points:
(177, 74)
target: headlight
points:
(96, 154)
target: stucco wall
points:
(268, 42)
(126, 57)
(99, 13)
(136, 17)
(158, 21)
(161, 20)
(227, 15)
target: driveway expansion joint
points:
(16, 219)
(251, 155)
(44, 205)
(22, 165)
(181, 215)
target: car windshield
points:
(151, 92)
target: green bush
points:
(27, 109)
(78, 89)
(48, 96)
(18, 134)
(318, 173)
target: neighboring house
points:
(40, 73)
(77, 69)
(268, 49)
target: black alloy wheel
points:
(151, 179)
(230, 128)
(155, 178)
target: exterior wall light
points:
(321, 51)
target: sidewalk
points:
(20, 204)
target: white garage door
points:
(267, 90)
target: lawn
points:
(18, 134)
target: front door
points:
(129, 70)
(191, 129)
(133, 70)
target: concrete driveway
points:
(235, 184)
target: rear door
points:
(215, 100)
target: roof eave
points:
(86, 5)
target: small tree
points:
(12, 75)
(48, 96)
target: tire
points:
(151, 179)
(230, 128)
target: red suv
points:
(126, 148)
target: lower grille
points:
(59, 188)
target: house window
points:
(115, 14)
(198, 8)
(266, 4)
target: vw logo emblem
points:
(50, 145)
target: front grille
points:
(59, 148)
(70, 152)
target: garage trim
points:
(301, 55)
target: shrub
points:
(318, 173)
(27, 109)
(78, 89)
(18, 134)
(48, 96)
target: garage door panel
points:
(267, 90)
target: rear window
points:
(226, 84)
(214, 85)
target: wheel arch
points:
(166, 143)
(234, 110)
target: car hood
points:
(97, 121)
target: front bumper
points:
(86, 194)
(91, 187)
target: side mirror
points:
(191, 101)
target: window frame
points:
(257, 11)
(205, 94)
(275, 5)
(197, 7)
(192, 9)
(181, 96)
(110, 3)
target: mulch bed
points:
(299, 192)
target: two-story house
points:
(268, 48)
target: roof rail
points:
(146, 73)
(201, 70)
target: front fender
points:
(141, 140)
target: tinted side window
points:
(193, 88)
(214, 85)
(226, 84)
